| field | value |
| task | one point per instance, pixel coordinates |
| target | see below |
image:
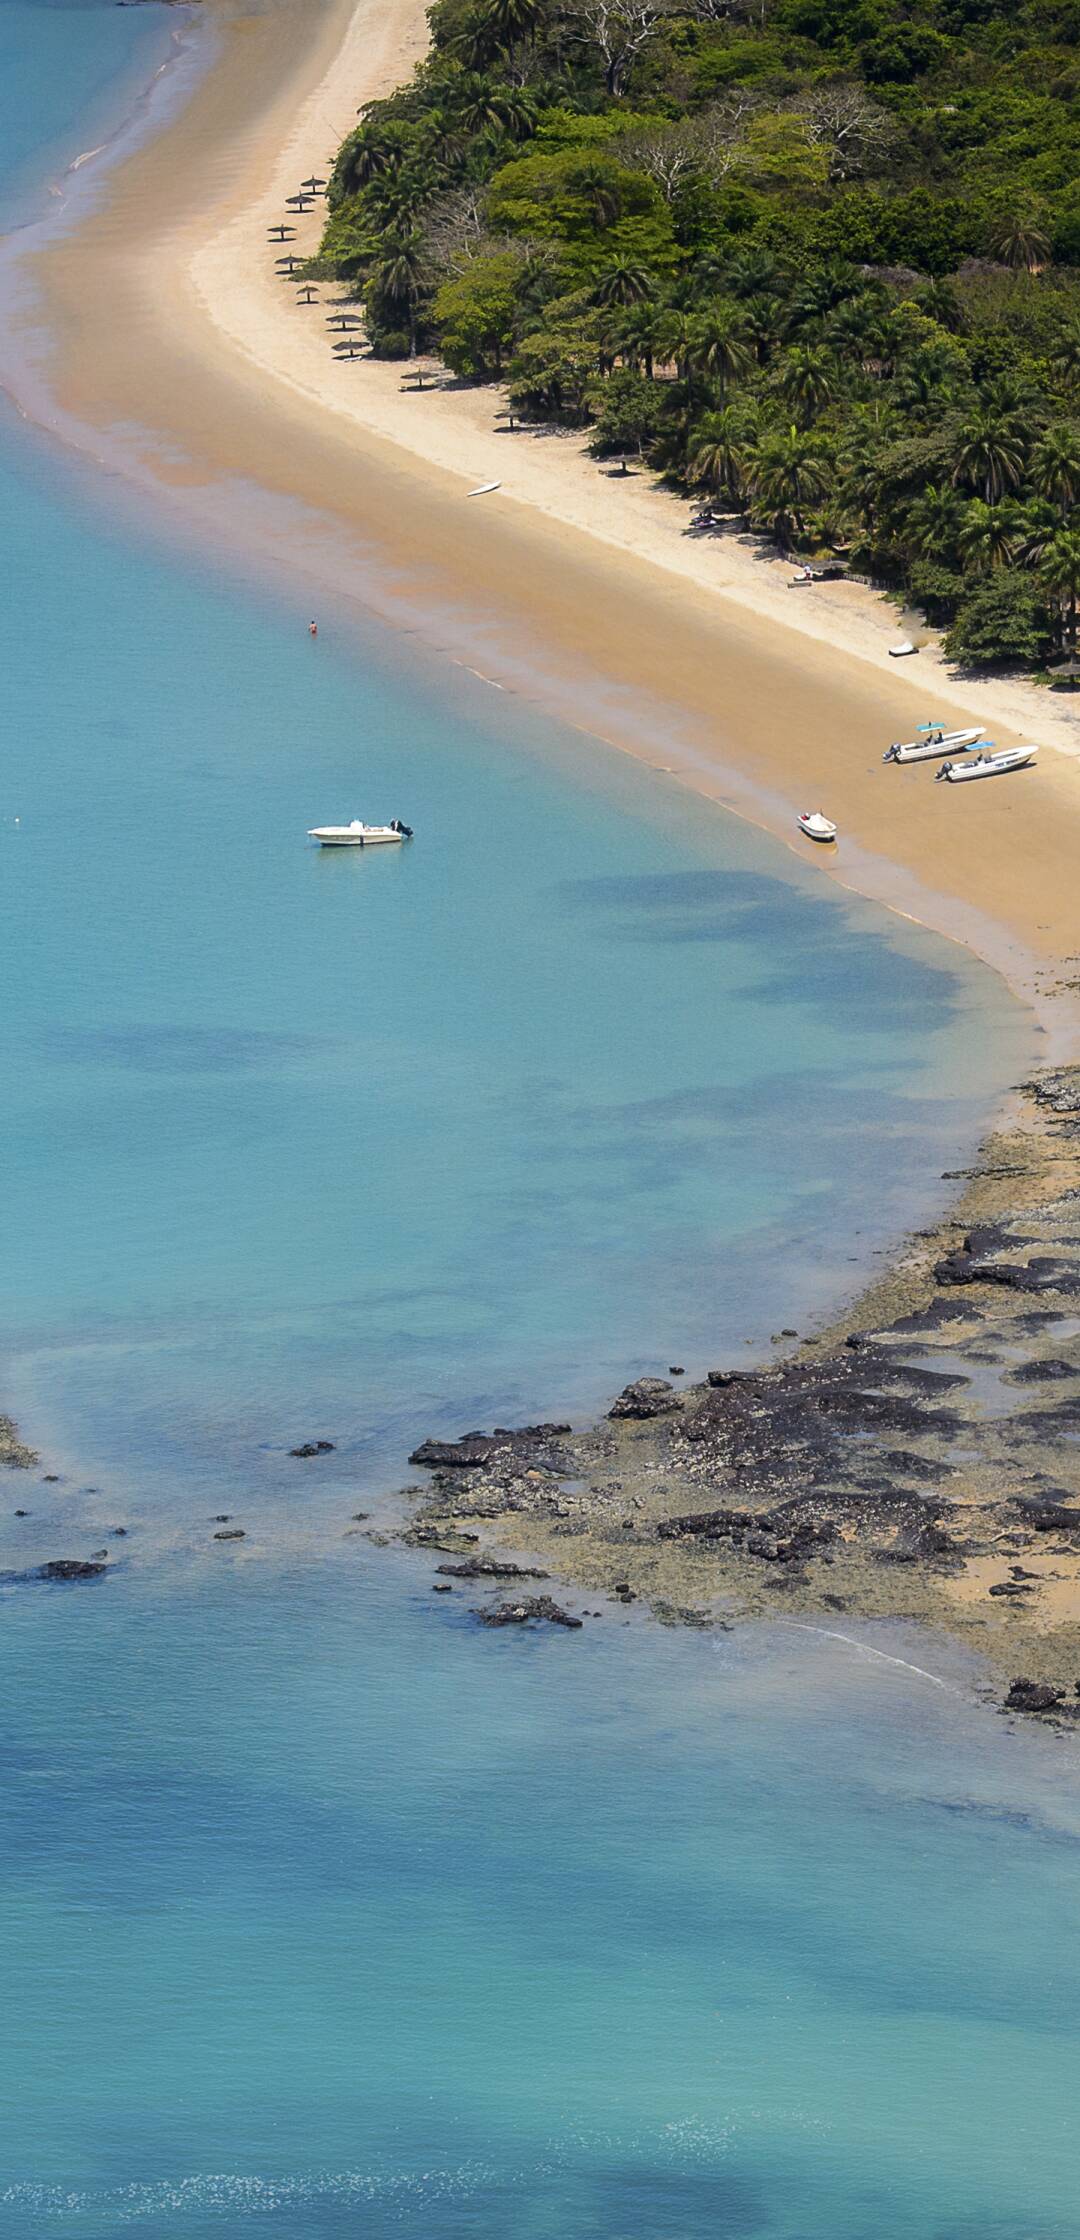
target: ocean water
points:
(323, 1912)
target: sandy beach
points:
(575, 585)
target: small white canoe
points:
(358, 835)
(482, 489)
(816, 826)
(930, 741)
(987, 765)
(902, 646)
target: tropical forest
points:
(814, 262)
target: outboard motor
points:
(891, 753)
(943, 772)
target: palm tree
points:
(1055, 466)
(507, 21)
(927, 377)
(624, 281)
(598, 187)
(640, 335)
(989, 536)
(991, 454)
(764, 320)
(368, 153)
(1019, 241)
(720, 346)
(396, 284)
(716, 454)
(807, 381)
(933, 523)
(1065, 358)
(1059, 570)
(787, 473)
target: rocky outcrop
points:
(487, 1567)
(311, 1447)
(14, 1455)
(1033, 1695)
(536, 1606)
(645, 1398)
(62, 1569)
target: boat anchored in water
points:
(932, 740)
(987, 765)
(358, 835)
(816, 826)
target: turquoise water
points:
(324, 1913)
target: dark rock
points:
(447, 1540)
(1032, 1695)
(1045, 1515)
(706, 1524)
(478, 1448)
(22, 1512)
(64, 1568)
(789, 1333)
(360, 1516)
(51, 1478)
(538, 1606)
(720, 1378)
(234, 1533)
(1040, 1372)
(224, 1518)
(1009, 1590)
(486, 1567)
(310, 1447)
(674, 1371)
(441, 1588)
(645, 1398)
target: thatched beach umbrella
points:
(282, 233)
(348, 350)
(287, 265)
(299, 202)
(312, 186)
(1066, 672)
(343, 319)
(307, 294)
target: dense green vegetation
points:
(818, 260)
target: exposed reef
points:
(919, 1460)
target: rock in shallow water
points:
(63, 1568)
(646, 1397)
(520, 1613)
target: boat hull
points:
(995, 766)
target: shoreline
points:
(171, 258)
(910, 1462)
(653, 612)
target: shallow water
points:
(324, 1913)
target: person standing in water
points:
(313, 629)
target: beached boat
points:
(987, 765)
(357, 835)
(931, 740)
(816, 826)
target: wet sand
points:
(160, 341)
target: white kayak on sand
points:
(930, 741)
(816, 826)
(358, 835)
(902, 646)
(987, 765)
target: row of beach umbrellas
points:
(288, 265)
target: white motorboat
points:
(987, 765)
(930, 741)
(816, 826)
(358, 835)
